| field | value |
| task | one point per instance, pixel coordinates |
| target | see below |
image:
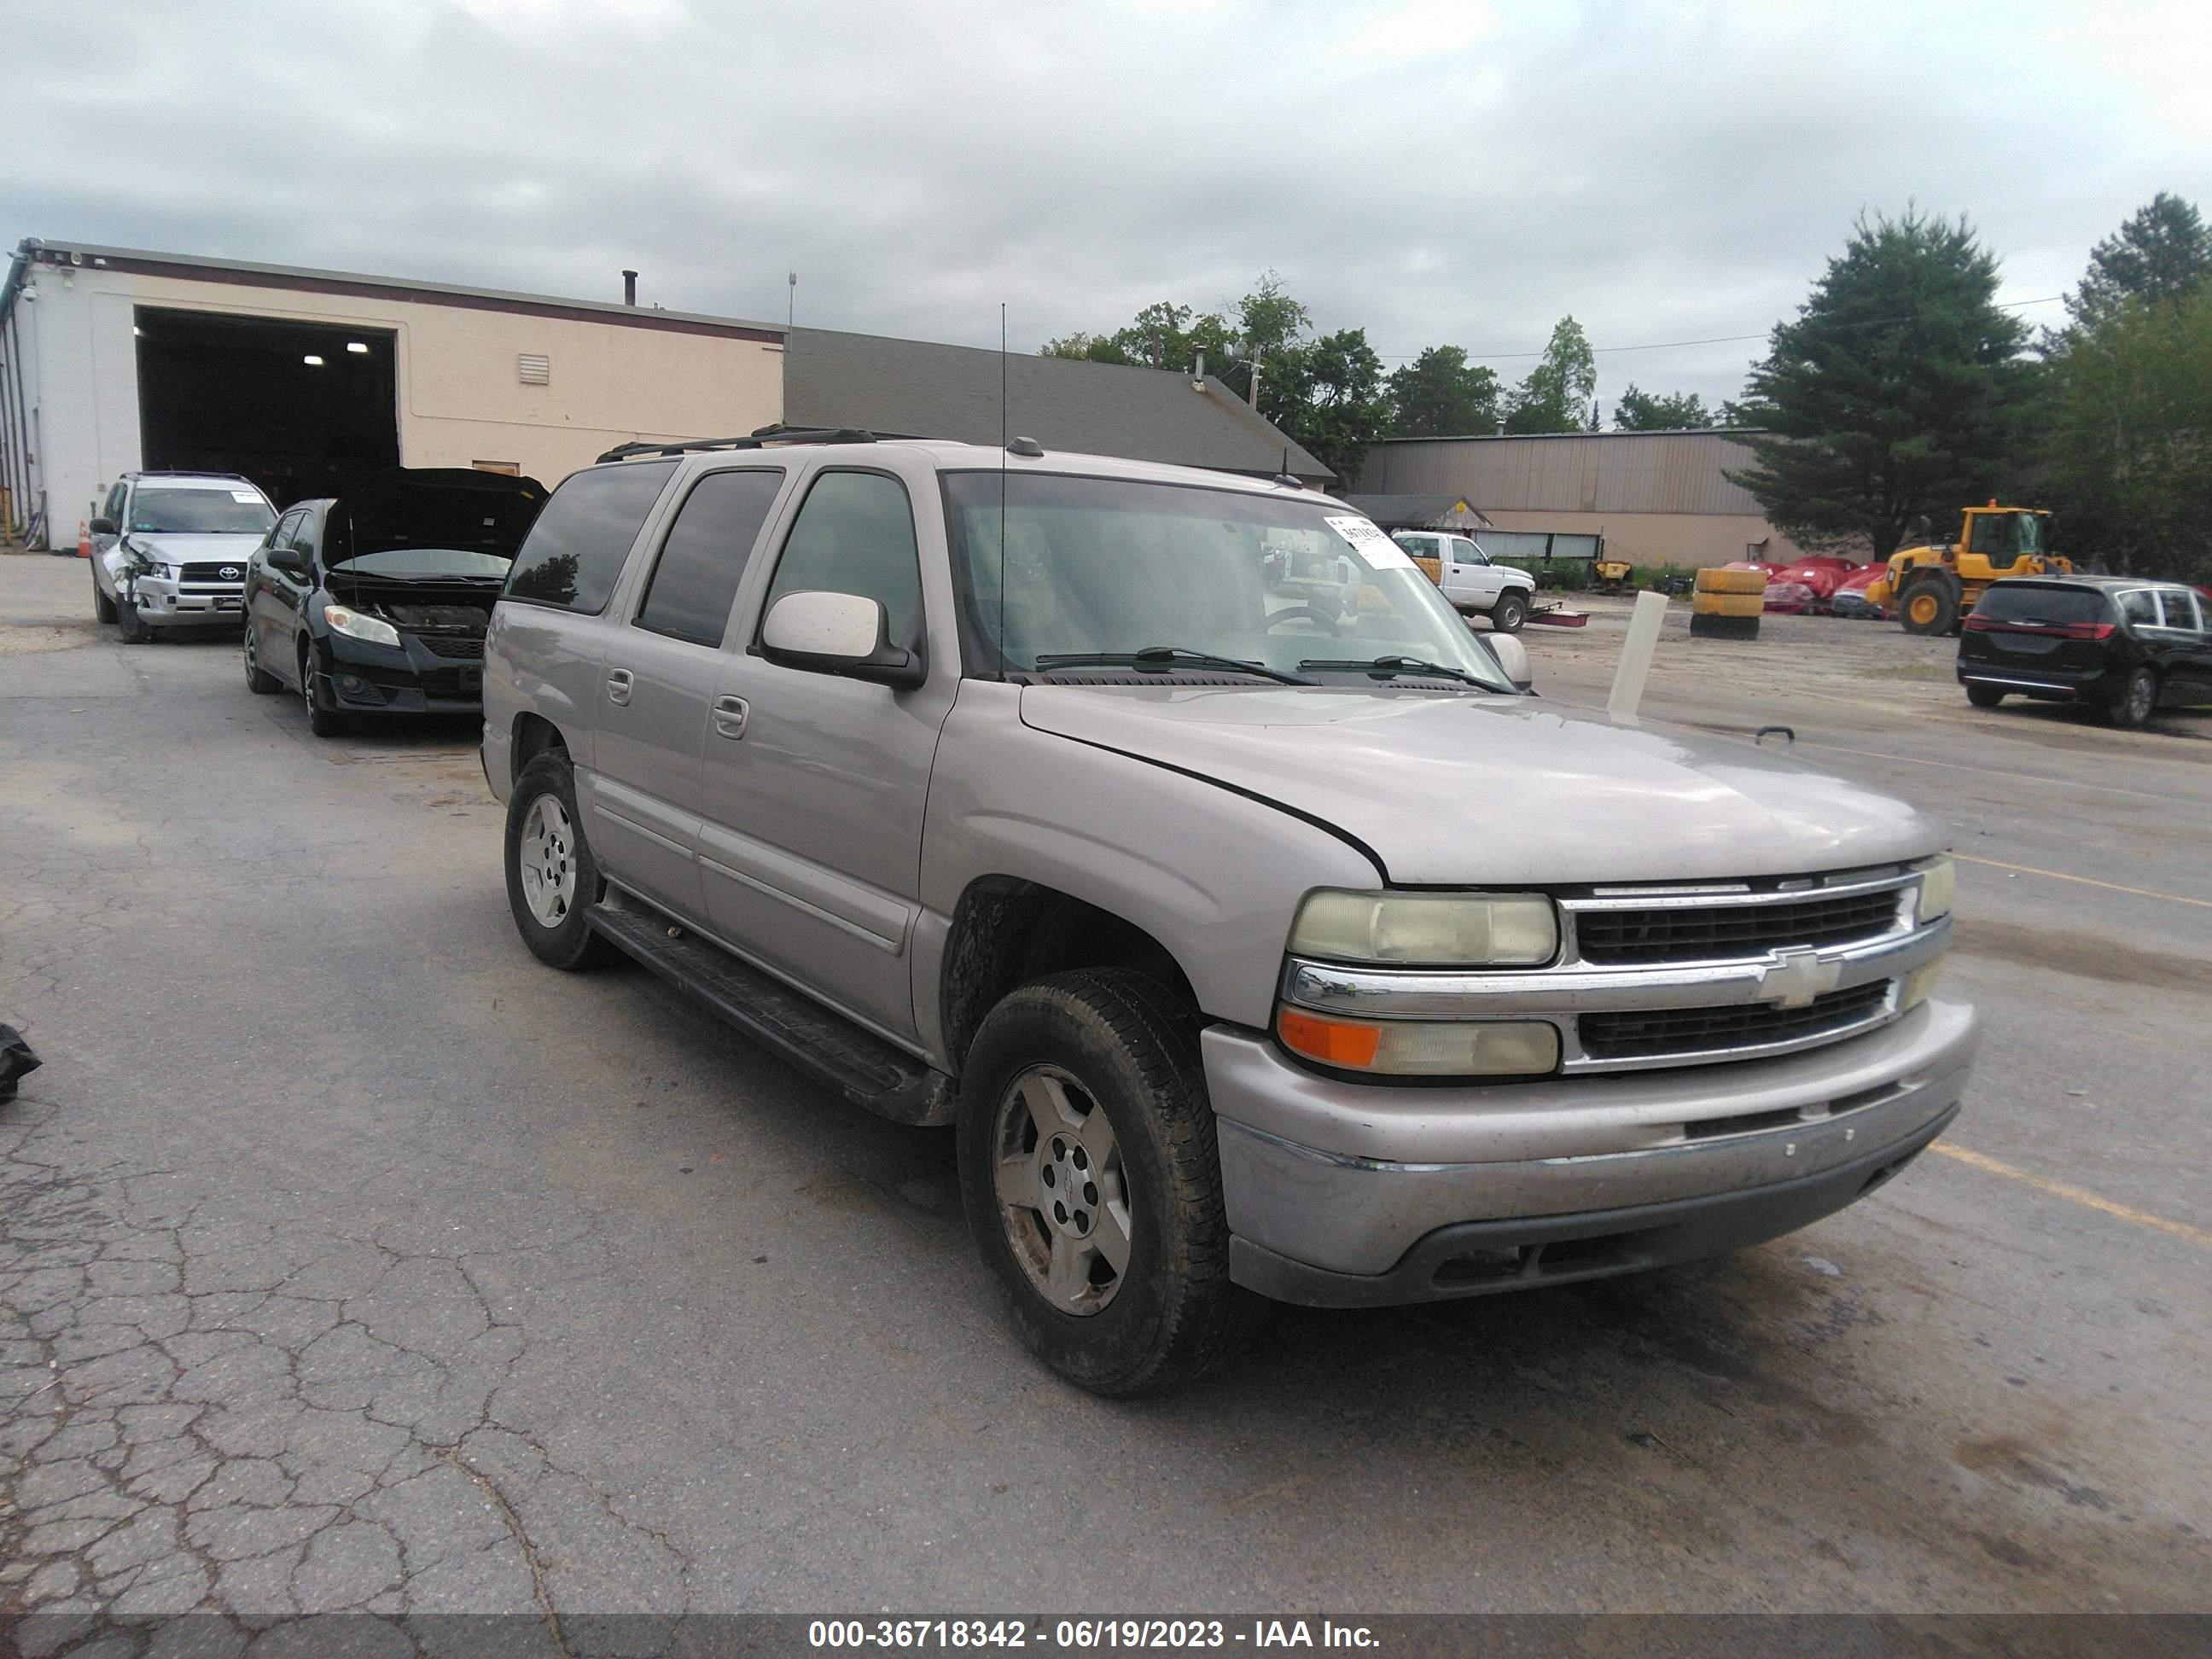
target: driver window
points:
(855, 535)
(1467, 552)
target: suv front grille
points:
(1655, 1033)
(212, 572)
(1611, 936)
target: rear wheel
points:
(259, 680)
(1091, 1179)
(552, 879)
(1984, 697)
(1930, 605)
(102, 607)
(2137, 700)
(1510, 613)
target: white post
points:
(1635, 657)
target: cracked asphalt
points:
(351, 1259)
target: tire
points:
(1510, 611)
(1929, 605)
(103, 608)
(1984, 697)
(322, 717)
(2137, 702)
(1052, 1057)
(544, 832)
(259, 680)
(129, 624)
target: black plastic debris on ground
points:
(16, 1061)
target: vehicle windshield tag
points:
(246, 495)
(1370, 543)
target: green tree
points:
(1650, 411)
(1557, 393)
(1163, 335)
(1440, 394)
(2161, 253)
(1897, 390)
(1327, 393)
(2129, 439)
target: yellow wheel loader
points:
(1935, 584)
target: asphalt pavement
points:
(351, 1258)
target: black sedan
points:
(2125, 645)
(375, 602)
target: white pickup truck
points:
(1468, 579)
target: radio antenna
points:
(1002, 490)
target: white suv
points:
(170, 549)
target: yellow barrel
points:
(1728, 604)
(1716, 580)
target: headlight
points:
(1939, 877)
(353, 624)
(1440, 929)
(1520, 1048)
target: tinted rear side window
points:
(2032, 602)
(576, 548)
(705, 554)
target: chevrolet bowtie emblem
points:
(1794, 977)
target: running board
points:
(825, 1045)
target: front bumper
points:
(1339, 1192)
(163, 604)
(408, 678)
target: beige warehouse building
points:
(1656, 497)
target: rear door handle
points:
(730, 716)
(618, 685)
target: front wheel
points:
(323, 719)
(1092, 1180)
(1984, 697)
(259, 680)
(2138, 699)
(552, 879)
(129, 624)
(102, 607)
(1510, 613)
(1929, 606)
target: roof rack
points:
(187, 472)
(761, 438)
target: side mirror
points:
(103, 527)
(1510, 655)
(287, 562)
(846, 634)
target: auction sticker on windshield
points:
(1370, 543)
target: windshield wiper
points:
(1383, 668)
(1162, 659)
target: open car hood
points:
(1449, 791)
(433, 507)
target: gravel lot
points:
(348, 1258)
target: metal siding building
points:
(1657, 497)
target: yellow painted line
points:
(2087, 881)
(2080, 1196)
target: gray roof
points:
(1422, 512)
(884, 384)
(32, 250)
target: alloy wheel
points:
(547, 858)
(1062, 1200)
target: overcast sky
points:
(1437, 173)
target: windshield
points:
(1116, 566)
(240, 512)
(456, 562)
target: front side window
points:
(155, 511)
(1078, 566)
(307, 535)
(855, 535)
(287, 527)
(576, 548)
(695, 581)
(1468, 553)
(112, 510)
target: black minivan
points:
(2122, 644)
(377, 601)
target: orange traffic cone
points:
(83, 539)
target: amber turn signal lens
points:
(1331, 1042)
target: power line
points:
(1673, 345)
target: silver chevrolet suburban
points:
(1255, 942)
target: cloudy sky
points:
(1435, 172)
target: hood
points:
(433, 507)
(1452, 791)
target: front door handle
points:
(618, 684)
(730, 716)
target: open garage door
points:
(301, 409)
